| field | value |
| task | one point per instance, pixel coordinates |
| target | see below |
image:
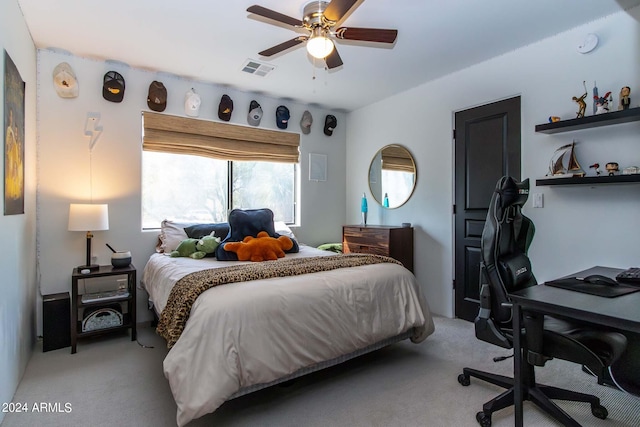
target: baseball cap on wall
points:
(113, 86)
(65, 81)
(305, 122)
(330, 123)
(192, 103)
(255, 113)
(282, 117)
(157, 98)
(225, 108)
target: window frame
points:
(223, 141)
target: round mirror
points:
(392, 176)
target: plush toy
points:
(196, 248)
(260, 248)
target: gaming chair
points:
(505, 268)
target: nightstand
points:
(394, 242)
(94, 311)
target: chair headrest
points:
(512, 193)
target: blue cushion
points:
(249, 222)
(198, 231)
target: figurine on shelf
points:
(595, 96)
(564, 163)
(553, 119)
(625, 101)
(612, 168)
(582, 106)
(602, 104)
(596, 166)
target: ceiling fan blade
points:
(283, 46)
(378, 35)
(272, 14)
(338, 8)
(333, 60)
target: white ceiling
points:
(210, 40)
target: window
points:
(196, 189)
(183, 188)
(265, 185)
(193, 171)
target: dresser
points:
(391, 241)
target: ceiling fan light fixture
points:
(319, 18)
(319, 46)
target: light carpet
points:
(116, 382)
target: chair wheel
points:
(599, 411)
(483, 419)
(464, 380)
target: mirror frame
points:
(415, 175)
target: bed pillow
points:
(171, 234)
(283, 229)
(198, 231)
(249, 222)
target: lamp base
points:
(92, 267)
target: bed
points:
(243, 336)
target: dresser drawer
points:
(395, 242)
(363, 235)
(365, 249)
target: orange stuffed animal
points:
(260, 248)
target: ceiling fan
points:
(319, 19)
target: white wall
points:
(117, 155)
(18, 232)
(578, 227)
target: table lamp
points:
(88, 218)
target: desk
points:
(620, 312)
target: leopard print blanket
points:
(184, 293)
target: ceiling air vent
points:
(252, 66)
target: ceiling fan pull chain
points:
(314, 68)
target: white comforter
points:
(255, 332)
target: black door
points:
(487, 147)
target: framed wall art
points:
(13, 138)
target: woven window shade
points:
(183, 135)
(397, 159)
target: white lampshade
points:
(88, 217)
(319, 46)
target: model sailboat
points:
(564, 163)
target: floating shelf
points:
(589, 180)
(605, 119)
